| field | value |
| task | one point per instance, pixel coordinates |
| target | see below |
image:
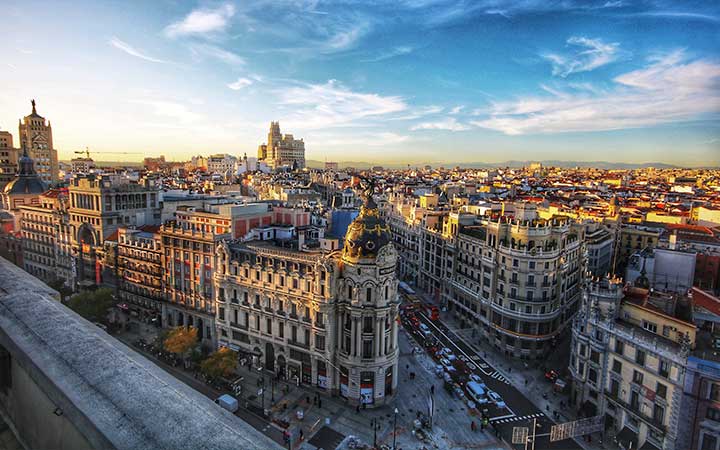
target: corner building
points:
(326, 319)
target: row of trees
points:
(183, 342)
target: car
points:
(447, 365)
(495, 398)
(551, 376)
(477, 392)
(439, 370)
(477, 379)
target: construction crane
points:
(87, 152)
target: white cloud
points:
(130, 50)
(220, 54)
(240, 83)
(346, 38)
(457, 109)
(450, 124)
(202, 21)
(329, 104)
(420, 112)
(589, 54)
(391, 53)
(669, 89)
(173, 110)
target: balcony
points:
(238, 326)
(636, 411)
(298, 344)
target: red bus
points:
(433, 312)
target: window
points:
(715, 392)
(319, 319)
(221, 313)
(320, 342)
(659, 413)
(713, 414)
(619, 347)
(637, 377)
(367, 349)
(640, 357)
(368, 294)
(531, 265)
(664, 368)
(268, 325)
(293, 333)
(617, 366)
(592, 375)
(594, 356)
(709, 442)
(281, 330)
(661, 390)
(307, 337)
(649, 326)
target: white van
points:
(477, 393)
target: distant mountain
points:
(513, 163)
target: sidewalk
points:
(529, 378)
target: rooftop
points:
(114, 396)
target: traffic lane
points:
(517, 402)
(490, 409)
(493, 410)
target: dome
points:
(27, 180)
(368, 233)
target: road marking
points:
(508, 419)
(459, 350)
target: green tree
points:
(221, 363)
(181, 340)
(93, 305)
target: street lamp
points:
(375, 428)
(395, 429)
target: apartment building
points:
(628, 362)
(98, 206)
(139, 266)
(320, 318)
(518, 281)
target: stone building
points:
(322, 318)
(8, 159)
(35, 136)
(46, 239)
(140, 276)
(628, 362)
(518, 280)
(282, 150)
(25, 188)
(98, 206)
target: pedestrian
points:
(526, 381)
(307, 399)
(302, 435)
(357, 408)
(319, 402)
(432, 389)
(472, 425)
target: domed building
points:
(26, 188)
(368, 306)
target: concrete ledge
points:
(114, 397)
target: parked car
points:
(477, 392)
(495, 398)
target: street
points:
(519, 410)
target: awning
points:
(627, 438)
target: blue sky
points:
(376, 81)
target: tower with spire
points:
(35, 138)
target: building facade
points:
(628, 356)
(98, 206)
(326, 319)
(140, 265)
(518, 280)
(35, 135)
(282, 150)
(8, 159)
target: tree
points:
(180, 340)
(93, 305)
(59, 285)
(221, 363)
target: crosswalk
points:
(500, 377)
(516, 418)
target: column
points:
(378, 331)
(382, 336)
(353, 339)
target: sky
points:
(368, 80)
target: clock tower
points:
(35, 136)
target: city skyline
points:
(383, 82)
